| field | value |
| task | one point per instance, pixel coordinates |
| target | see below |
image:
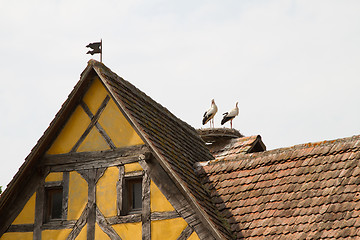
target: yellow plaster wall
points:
(17, 236)
(169, 229)
(95, 95)
(78, 195)
(27, 214)
(131, 167)
(70, 134)
(106, 192)
(54, 176)
(99, 234)
(94, 141)
(117, 127)
(129, 231)
(83, 234)
(158, 202)
(55, 234)
(193, 236)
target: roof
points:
(236, 146)
(175, 144)
(308, 191)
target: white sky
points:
(293, 66)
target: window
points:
(53, 205)
(132, 195)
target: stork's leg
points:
(231, 123)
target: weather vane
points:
(96, 47)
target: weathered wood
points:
(39, 210)
(185, 234)
(105, 135)
(164, 215)
(134, 174)
(85, 174)
(53, 184)
(131, 218)
(127, 154)
(99, 173)
(92, 201)
(21, 228)
(58, 224)
(175, 196)
(93, 121)
(146, 211)
(66, 179)
(18, 197)
(98, 126)
(119, 189)
(80, 223)
(103, 224)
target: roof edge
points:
(177, 180)
(311, 145)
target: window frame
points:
(49, 193)
(128, 182)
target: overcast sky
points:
(293, 66)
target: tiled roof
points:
(176, 142)
(235, 146)
(309, 191)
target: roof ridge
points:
(289, 153)
(100, 65)
(174, 142)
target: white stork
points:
(230, 115)
(209, 114)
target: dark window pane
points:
(137, 203)
(53, 209)
(56, 208)
(132, 198)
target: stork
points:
(230, 115)
(210, 113)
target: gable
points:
(108, 138)
(96, 124)
(164, 221)
(89, 159)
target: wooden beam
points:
(173, 194)
(119, 189)
(105, 135)
(53, 184)
(66, 180)
(20, 194)
(93, 121)
(134, 174)
(39, 210)
(92, 202)
(99, 173)
(98, 126)
(146, 211)
(125, 153)
(103, 224)
(58, 224)
(132, 218)
(164, 215)
(185, 234)
(80, 223)
(21, 228)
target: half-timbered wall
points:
(90, 161)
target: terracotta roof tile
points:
(308, 191)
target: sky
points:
(293, 66)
